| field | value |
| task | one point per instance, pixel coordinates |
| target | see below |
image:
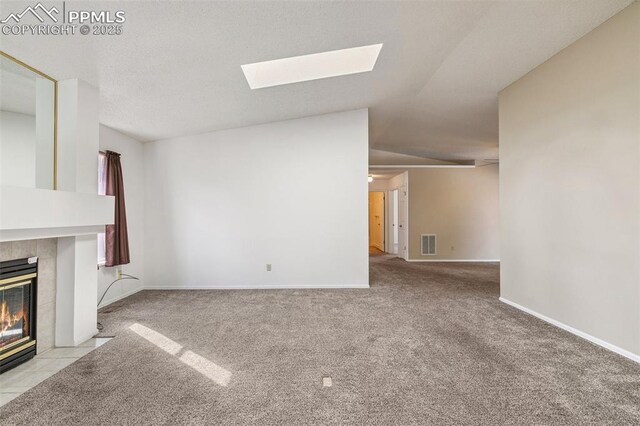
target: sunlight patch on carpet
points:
(202, 365)
(206, 368)
(160, 340)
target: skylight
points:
(311, 67)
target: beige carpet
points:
(427, 344)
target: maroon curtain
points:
(116, 236)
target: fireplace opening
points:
(18, 281)
(14, 313)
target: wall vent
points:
(428, 244)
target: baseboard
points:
(122, 296)
(256, 287)
(83, 339)
(613, 348)
(455, 260)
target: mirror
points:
(27, 125)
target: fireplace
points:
(18, 290)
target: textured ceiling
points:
(176, 69)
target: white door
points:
(402, 223)
(394, 221)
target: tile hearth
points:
(22, 378)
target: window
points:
(102, 190)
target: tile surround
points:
(5, 251)
(46, 275)
(20, 249)
(46, 326)
(46, 250)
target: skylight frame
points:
(315, 66)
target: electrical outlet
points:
(268, 267)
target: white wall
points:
(379, 185)
(26, 142)
(132, 159)
(460, 206)
(220, 206)
(570, 185)
(17, 149)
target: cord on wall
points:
(121, 277)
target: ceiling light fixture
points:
(311, 67)
(370, 179)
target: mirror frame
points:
(55, 111)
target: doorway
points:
(376, 222)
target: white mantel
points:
(30, 213)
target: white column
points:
(77, 136)
(77, 278)
(44, 133)
(76, 293)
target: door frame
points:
(392, 221)
(403, 233)
(384, 219)
(399, 182)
